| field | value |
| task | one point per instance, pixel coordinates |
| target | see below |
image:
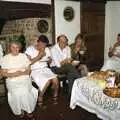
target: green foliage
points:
(2, 22)
(21, 39)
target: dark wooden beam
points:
(53, 20)
(18, 10)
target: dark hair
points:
(79, 35)
(43, 39)
(58, 38)
(22, 40)
(118, 35)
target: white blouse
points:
(15, 63)
(33, 52)
(59, 55)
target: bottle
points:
(111, 81)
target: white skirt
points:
(112, 63)
(21, 95)
(41, 76)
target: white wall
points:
(112, 24)
(70, 29)
(32, 1)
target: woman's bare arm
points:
(111, 51)
(26, 72)
(117, 55)
(38, 57)
(5, 73)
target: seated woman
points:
(114, 57)
(78, 50)
(39, 55)
(22, 97)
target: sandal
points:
(30, 116)
(22, 115)
(55, 100)
(41, 105)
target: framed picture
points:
(68, 14)
(42, 26)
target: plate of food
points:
(112, 92)
(99, 75)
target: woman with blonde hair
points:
(22, 97)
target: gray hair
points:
(15, 42)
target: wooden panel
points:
(95, 45)
(53, 21)
(17, 10)
(92, 25)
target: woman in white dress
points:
(41, 74)
(22, 97)
(114, 61)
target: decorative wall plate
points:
(68, 13)
(42, 26)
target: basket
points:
(112, 92)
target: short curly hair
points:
(15, 42)
(58, 38)
(43, 39)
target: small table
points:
(88, 95)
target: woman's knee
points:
(55, 82)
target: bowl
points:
(82, 52)
(75, 62)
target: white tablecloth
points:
(88, 95)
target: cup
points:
(82, 52)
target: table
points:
(88, 95)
